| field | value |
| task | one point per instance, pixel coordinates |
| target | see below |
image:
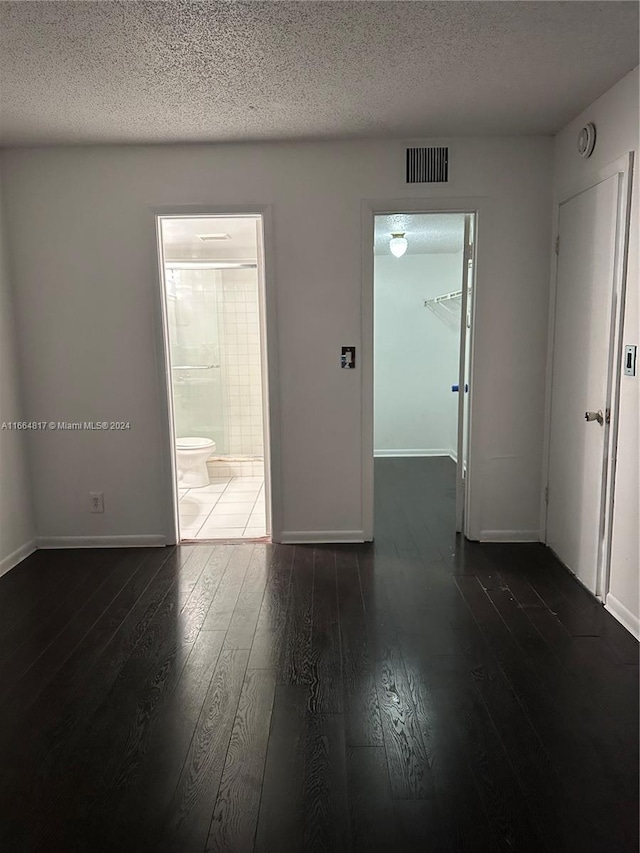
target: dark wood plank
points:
(456, 819)
(19, 587)
(568, 666)
(213, 585)
(269, 639)
(375, 563)
(34, 593)
(553, 584)
(363, 726)
(518, 672)
(247, 610)
(326, 828)
(192, 561)
(235, 816)
(120, 728)
(408, 764)
(61, 743)
(219, 608)
(371, 807)
(418, 828)
(294, 666)
(45, 613)
(621, 641)
(325, 689)
(42, 731)
(281, 817)
(504, 800)
(132, 811)
(190, 812)
(563, 741)
(34, 671)
(559, 818)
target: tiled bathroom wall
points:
(239, 329)
(239, 326)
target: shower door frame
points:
(269, 354)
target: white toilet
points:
(191, 457)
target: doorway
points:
(213, 299)
(423, 275)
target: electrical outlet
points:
(96, 501)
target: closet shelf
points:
(446, 307)
(446, 297)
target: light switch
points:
(630, 360)
(348, 358)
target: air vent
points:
(427, 165)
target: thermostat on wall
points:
(587, 140)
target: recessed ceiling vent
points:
(427, 165)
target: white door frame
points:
(271, 395)
(468, 257)
(623, 169)
(370, 209)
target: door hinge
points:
(558, 245)
(546, 495)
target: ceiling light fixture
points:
(398, 244)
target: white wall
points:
(615, 115)
(83, 238)
(416, 354)
(16, 521)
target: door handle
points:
(594, 416)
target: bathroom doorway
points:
(423, 273)
(213, 298)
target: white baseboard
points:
(11, 560)
(509, 536)
(438, 451)
(320, 537)
(150, 540)
(624, 616)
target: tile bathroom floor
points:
(229, 508)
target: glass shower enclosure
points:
(196, 357)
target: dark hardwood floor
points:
(419, 694)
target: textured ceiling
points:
(426, 233)
(181, 241)
(179, 71)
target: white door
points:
(581, 353)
